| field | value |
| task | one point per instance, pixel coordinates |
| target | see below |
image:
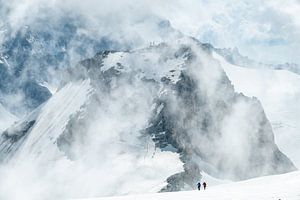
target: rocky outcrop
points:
(198, 116)
(195, 112)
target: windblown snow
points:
(6, 118)
(284, 186)
(52, 119)
(147, 120)
(279, 93)
(105, 161)
(131, 99)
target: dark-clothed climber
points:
(199, 185)
(204, 185)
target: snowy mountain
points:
(36, 55)
(146, 120)
(279, 93)
(234, 57)
(111, 100)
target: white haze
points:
(264, 30)
(271, 35)
(6, 118)
(279, 92)
(113, 159)
(110, 157)
(266, 188)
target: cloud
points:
(263, 30)
(136, 24)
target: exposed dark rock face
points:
(196, 113)
(35, 94)
(194, 129)
(11, 139)
(191, 120)
(37, 54)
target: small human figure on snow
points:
(204, 185)
(199, 185)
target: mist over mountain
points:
(94, 96)
(234, 57)
(147, 104)
(33, 56)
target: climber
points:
(204, 185)
(199, 185)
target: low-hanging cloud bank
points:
(266, 31)
(66, 32)
(139, 121)
(47, 38)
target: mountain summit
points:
(150, 119)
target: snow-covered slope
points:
(52, 120)
(285, 186)
(147, 120)
(279, 93)
(6, 118)
(113, 155)
(234, 57)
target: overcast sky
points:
(264, 30)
